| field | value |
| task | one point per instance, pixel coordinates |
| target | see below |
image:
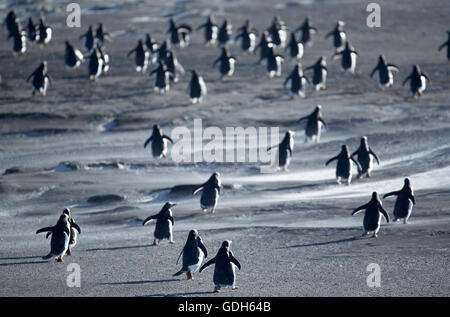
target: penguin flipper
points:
(168, 138)
(212, 261)
(48, 234)
(413, 199)
(148, 219)
(385, 214)
(202, 247)
(443, 45)
(148, 141)
(395, 193)
(179, 272)
(77, 227)
(356, 162)
(374, 155)
(373, 71)
(177, 262)
(406, 80)
(235, 261)
(45, 229)
(197, 189)
(331, 159)
(171, 219)
(324, 123)
(359, 209)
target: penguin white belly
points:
(423, 84)
(48, 36)
(252, 42)
(353, 62)
(279, 60)
(231, 71)
(300, 51)
(194, 267)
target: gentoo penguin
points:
(264, 46)
(159, 142)
(19, 40)
(74, 231)
(178, 35)
(227, 63)
(95, 65)
(45, 33)
(224, 270)
(194, 251)
(372, 216)
(344, 165)
(306, 32)
(295, 48)
(162, 78)
(89, 40)
(211, 31)
(60, 238)
(297, 82)
(314, 125)
(418, 81)
(174, 66)
(225, 31)
(320, 72)
(10, 23)
(152, 47)
(278, 33)
(248, 37)
(404, 203)
(162, 52)
(40, 79)
(164, 223)
(274, 62)
(210, 192)
(72, 56)
(101, 35)
(141, 57)
(348, 60)
(105, 58)
(448, 47)
(339, 36)
(365, 155)
(197, 88)
(32, 31)
(385, 77)
(285, 149)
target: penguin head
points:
(364, 141)
(226, 245)
(382, 59)
(407, 182)
(210, 18)
(193, 234)
(66, 211)
(344, 149)
(157, 129)
(318, 109)
(67, 43)
(375, 196)
(215, 177)
(348, 45)
(290, 133)
(194, 73)
(169, 205)
(340, 23)
(416, 69)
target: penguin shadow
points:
(121, 248)
(141, 282)
(178, 294)
(322, 243)
(22, 263)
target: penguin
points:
(32, 31)
(164, 224)
(385, 77)
(320, 72)
(448, 47)
(152, 47)
(274, 62)
(194, 251)
(178, 35)
(297, 82)
(45, 33)
(344, 165)
(248, 38)
(225, 32)
(404, 202)
(225, 267)
(364, 159)
(162, 52)
(372, 216)
(101, 35)
(90, 40)
(227, 63)
(285, 149)
(197, 88)
(210, 192)
(339, 36)
(74, 231)
(95, 65)
(159, 142)
(418, 81)
(162, 78)
(264, 46)
(314, 124)
(105, 58)
(306, 32)
(348, 60)
(19, 40)
(72, 56)
(278, 33)
(211, 31)
(141, 57)
(59, 243)
(295, 48)
(173, 66)
(40, 79)
(10, 23)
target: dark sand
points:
(292, 231)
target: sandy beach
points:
(81, 147)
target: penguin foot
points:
(172, 242)
(235, 287)
(69, 253)
(189, 275)
(374, 235)
(59, 259)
